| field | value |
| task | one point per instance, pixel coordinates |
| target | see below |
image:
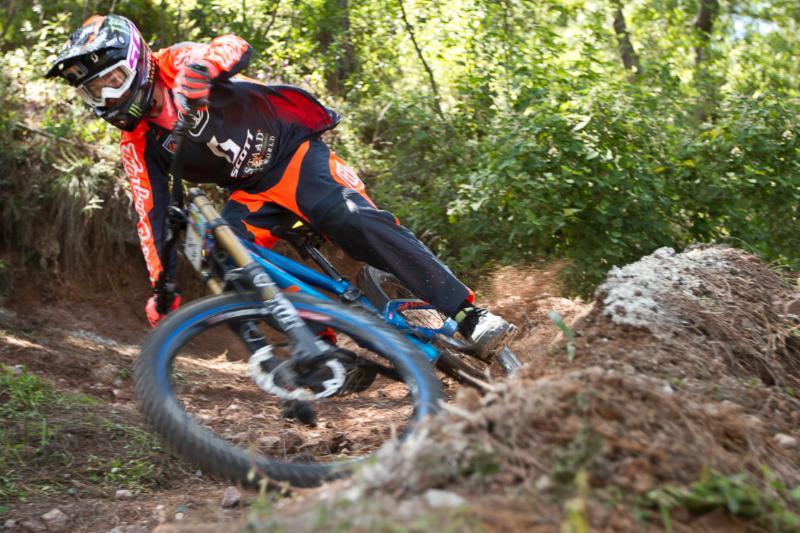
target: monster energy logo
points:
(117, 24)
(135, 110)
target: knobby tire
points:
(218, 457)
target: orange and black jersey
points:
(246, 131)
(247, 128)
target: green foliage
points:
(569, 335)
(41, 449)
(547, 147)
(576, 457)
(484, 463)
(770, 503)
(59, 170)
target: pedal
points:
(300, 411)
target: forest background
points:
(499, 130)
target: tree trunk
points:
(708, 87)
(626, 51)
(434, 88)
(704, 24)
(10, 14)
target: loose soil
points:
(684, 367)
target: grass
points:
(569, 335)
(576, 456)
(768, 502)
(52, 442)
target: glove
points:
(193, 85)
(154, 316)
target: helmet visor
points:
(108, 87)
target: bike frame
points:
(291, 276)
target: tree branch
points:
(704, 24)
(55, 137)
(12, 12)
(626, 51)
(410, 29)
(273, 16)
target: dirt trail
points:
(683, 368)
(86, 344)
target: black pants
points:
(319, 188)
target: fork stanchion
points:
(229, 242)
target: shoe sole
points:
(498, 343)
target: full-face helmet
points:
(111, 67)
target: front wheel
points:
(211, 410)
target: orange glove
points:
(152, 312)
(193, 85)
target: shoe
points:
(488, 332)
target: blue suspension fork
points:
(289, 273)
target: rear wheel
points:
(213, 410)
(380, 287)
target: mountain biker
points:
(260, 142)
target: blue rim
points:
(163, 357)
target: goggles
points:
(107, 86)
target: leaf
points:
(582, 124)
(569, 335)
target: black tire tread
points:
(216, 456)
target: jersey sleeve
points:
(150, 193)
(229, 54)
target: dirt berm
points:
(668, 403)
(671, 403)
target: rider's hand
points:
(151, 309)
(193, 85)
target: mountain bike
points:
(315, 349)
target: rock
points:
(118, 383)
(160, 514)
(123, 494)
(33, 525)
(443, 498)
(793, 308)
(408, 509)
(166, 528)
(268, 443)
(55, 518)
(543, 483)
(135, 528)
(8, 524)
(105, 373)
(180, 512)
(787, 441)
(230, 498)
(121, 394)
(17, 370)
(353, 494)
